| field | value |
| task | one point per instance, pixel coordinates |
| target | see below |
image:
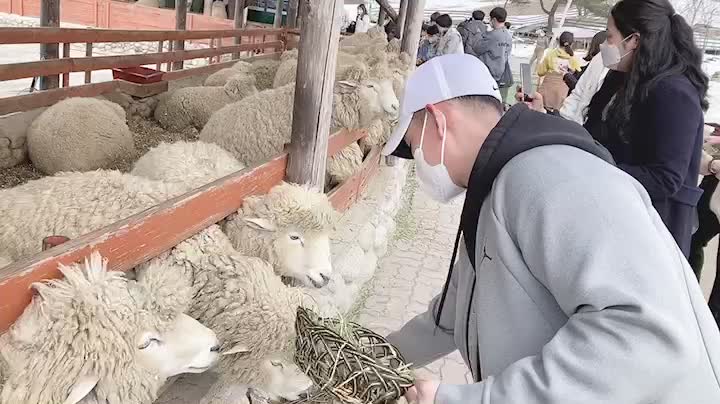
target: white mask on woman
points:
(611, 54)
(435, 180)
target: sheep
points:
(97, 337)
(168, 161)
(237, 127)
(79, 134)
(73, 204)
(373, 36)
(193, 106)
(344, 164)
(297, 221)
(220, 77)
(250, 309)
(348, 67)
(263, 70)
(378, 133)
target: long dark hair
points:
(362, 8)
(566, 42)
(666, 48)
(594, 48)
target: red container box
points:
(137, 74)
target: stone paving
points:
(414, 272)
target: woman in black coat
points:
(654, 123)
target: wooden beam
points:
(34, 69)
(402, 16)
(319, 42)
(137, 239)
(209, 69)
(75, 35)
(413, 28)
(88, 53)
(66, 54)
(239, 21)
(381, 17)
(277, 22)
(49, 17)
(27, 102)
(292, 13)
(389, 11)
(180, 25)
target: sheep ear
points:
(259, 223)
(82, 387)
(237, 348)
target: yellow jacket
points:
(551, 62)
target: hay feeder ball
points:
(349, 362)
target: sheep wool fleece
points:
(79, 134)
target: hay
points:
(349, 362)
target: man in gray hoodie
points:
(567, 287)
(494, 49)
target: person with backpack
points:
(564, 285)
(494, 49)
(472, 30)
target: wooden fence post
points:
(381, 17)
(180, 24)
(402, 16)
(413, 28)
(292, 14)
(312, 111)
(277, 23)
(49, 17)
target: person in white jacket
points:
(450, 40)
(362, 21)
(575, 106)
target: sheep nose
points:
(215, 348)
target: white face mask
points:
(435, 180)
(611, 54)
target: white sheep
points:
(253, 131)
(97, 337)
(74, 204)
(344, 164)
(289, 226)
(263, 70)
(188, 164)
(218, 9)
(193, 106)
(348, 67)
(250, 309)
(79, 134)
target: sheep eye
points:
(276, 364)
(148, 343)
(294, 237)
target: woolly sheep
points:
(193, 106)
(288, 227)
(237, 127)
(250, 309)
(97, 337)
(344, 164)
(188, 164)
(73, 204)
(79, 134)
(221, 77)
(263, 70)
(378, 133)
(348, 67)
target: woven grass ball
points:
(348, 361)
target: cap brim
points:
(396, 145)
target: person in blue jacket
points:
(654, 123)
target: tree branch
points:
(389, 11)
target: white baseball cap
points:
(440, 79)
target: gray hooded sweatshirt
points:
(471, 32)
(493, 49)
(579, 293)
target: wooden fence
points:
(115, 15)
(145, 235)
(223, 42)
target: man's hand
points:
(423, 392)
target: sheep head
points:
(290, 228)
(358, 103)
(97, 335)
